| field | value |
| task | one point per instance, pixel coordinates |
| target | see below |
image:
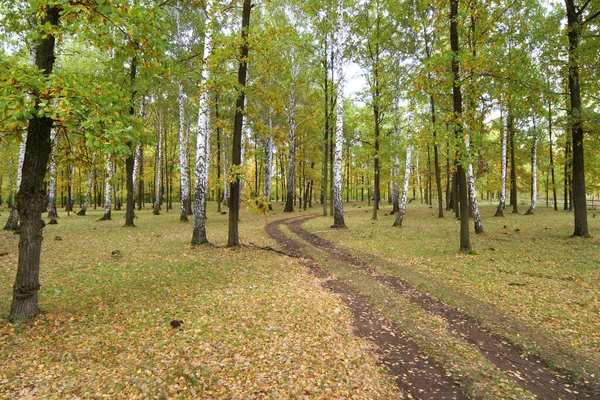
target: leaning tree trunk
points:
(291, 180)
(88, 194)
(534, 188)
(407, 169)
(158, 177)
(31, 198)
(12, 224)
(502, 203)
(338, 205)
(268, 164)
(203, 138)
(108, 191)
(52, 214)
(233, 238)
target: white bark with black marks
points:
(158, 177)
(268, 162)
(502, 203)
(473, 193)
(534, 188)
(203, 136)
(338, 205)
(407, 169)
(52, 178)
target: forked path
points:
(414, 372)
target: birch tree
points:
(534, 188)
(338, 205)
(269, 162)
(203, 136)
(184, 182)
(88, 193)
(502, 202)
(108, 190)
(52, 178)
(158, 176)
(12, 223)
(407, 169)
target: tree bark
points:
(338, 204)
(108, 191)
(534, 188)
(233, 238)
(88, 193)
(269, 163)
(465, 243)
(291, 180)
(510, 123)
(551, 155)
(52, 178)
(578, 198)
(502, 203)
(407, 169)
(158, 177)
(12, 223)
(203, 137)
(31, 199)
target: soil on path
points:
(401, 356)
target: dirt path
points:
(426, 380)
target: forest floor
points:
(386, 312)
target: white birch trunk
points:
(417, 170)
(71, 201)
(338, 205)
(88, 193)
(226, 186)
(52, 178)
(502, 204)
(12, 222)
(108, 190)
(473, 194)
(203, 137)
(291, 179)
(158, 177)
(184, 182)
(136, 169)
(268, 163)
(534, 188)
(407, 169)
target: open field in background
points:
(528, 279)
(255, 323)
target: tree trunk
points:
(291, 180)
(465, 243)
(324, 186)
(534, 188)
(473, 194)
(158, 176)
(269, 163)
(502, 203)
(88, 193)
(108, 188)
(436, 161)
(31, 199)
(233, 238)
(52, 178)
(578, 198)
(510, 123)
(338, 205)
(184, 183)
(551, 155)
(203, 137)
(12, 224)
(407, 169)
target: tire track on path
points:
(528, 371)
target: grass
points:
(256, 324)
(528, 279)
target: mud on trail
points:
(415, 371)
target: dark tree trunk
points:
(31, 198)
(551, 155)
(130, 160)
(578, 198)
(233, 238)
(465, 243)
(436, 161)
(513, 165)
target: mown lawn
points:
(256, 324)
